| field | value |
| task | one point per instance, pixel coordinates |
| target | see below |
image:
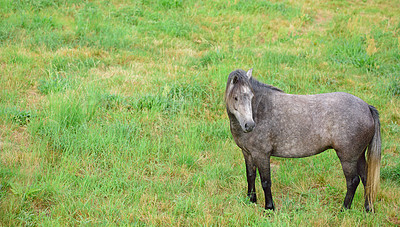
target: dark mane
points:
(240, 77)
(254, 84)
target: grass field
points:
(112, 112)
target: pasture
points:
(112, 111)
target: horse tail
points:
(373, 161)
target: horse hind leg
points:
(362, 168)
(352, 180)
(362, 172)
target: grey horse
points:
(265, 122)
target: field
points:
(112, 111)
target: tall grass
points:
(112, 113)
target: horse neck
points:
(263, 100)
(260, 89)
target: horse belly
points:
(298, 152)
(299, 139)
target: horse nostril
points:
(249, 126)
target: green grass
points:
(112, 112)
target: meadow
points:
(112, 111)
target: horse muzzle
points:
(249, 126)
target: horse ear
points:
(249, 73)
(235, 79)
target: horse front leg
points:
(264, 168)
(251, 177)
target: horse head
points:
(238, 98)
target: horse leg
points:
(352, 181)
(362, 169)
(263, 165)
(251, 177)
(362, 172)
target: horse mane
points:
(256, 85)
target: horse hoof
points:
(369, 210)
(270, 208)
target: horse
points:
(265, 122)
